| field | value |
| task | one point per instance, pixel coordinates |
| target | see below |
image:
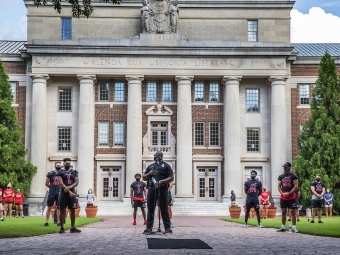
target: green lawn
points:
(329, 227)
(34, 226)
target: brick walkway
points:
(116, 235)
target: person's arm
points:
(47, 182)
(296, 184)
(166, 180)
(148, 173)
(279, 185)
(245, 189)
(260, 190)
(312, 188)
(67, 189)
(144, 193)
(131, 194)
(323, 191)
(298, 194)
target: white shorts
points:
(328, 205)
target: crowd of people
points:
(12, 200)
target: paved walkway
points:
(116, 235)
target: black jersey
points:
(54, 184)
(138, 188)
(68, 177)
(318, 186)
(287, 181)
(164, 171)
(253, 187)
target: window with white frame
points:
(199, 91)
(119, 91)
(214, 133)
(104, 91)
(103, 133)
(253, 139)
(167, 91)
(214, 91)
(199, 133)
(151, 91)
(159, 133)
(252, 30)
(253, 100)
(64, 139)
(66, 29)
(14, 91)
(304, 94)
(65, 99)
(119, 133)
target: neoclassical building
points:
(208, 83)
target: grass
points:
(330, 226)
(34, 226)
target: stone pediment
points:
(159, 110)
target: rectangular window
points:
(214, 133)
(64, 138)
(66, 28)
(199, 134)
(14, 91)
(253, 139)
(159, 134)
(252, 30)
(199, 91)
(119, 133)
(119, 92)
(103, 133)
(65, 99)
(167, 91)
(151, 92)
(253, 100)
(304, 94)
(214, 92)
(104, 91)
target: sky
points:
(312, 21)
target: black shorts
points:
(66, 201)
(138, 203)
(290, 204)
(252, 203)
(317, 203)
(51, 199)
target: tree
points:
(84, 8)
(319, 141)
(14, 168)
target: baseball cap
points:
(287, 164)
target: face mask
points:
(156, 159)
(286, 169)
(264, 189)
(67, 166)
(328, 191)
(252, 177)
(58, 167)
(90, 192)
(137, 179)
(318, 179)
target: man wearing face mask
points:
(138, 197)
(68, 180)
(159, 175)
(287, 186)
(318, 190)
(253, 188)
(52, 183)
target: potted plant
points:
(77, 210)
(235, 211)
(271, 213)
(91, 211)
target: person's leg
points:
(10, 210)
(48, 212)
(134, 214)
(293, 216)
(17, 211)
(151, 204)
(265, 211)
(262, 211)
(246, 216)
(170, 212)
(283, 216)
(21, 210)
(6, 210)
(319, 213)
(313, 210)
(144, 214)
(257, 210)
(163, 204)
(1, 213)
(330, 211)
(73, 217)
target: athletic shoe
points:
(320, 221)
(17, 216)
(281, 230)
(2, 219)
(145, 222)
(22, 217)
(260, 225)
(147, 231)
(74, 230)
(312, 221)
(134, 223)
(265, 217)
(62, 231)
(58, 224)
(244, 225)
(289, 220)
(298, 219)
(46, 224)
(168, 231)
(295, 231)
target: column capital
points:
(278, 80)
(42, 77)
(231, 80)
(184, 80)
(134, 78)
(83, 77)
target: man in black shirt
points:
(138, 197)
(253, 189)
(318, 190)
(158, 175)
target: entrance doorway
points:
(110, 184)
(207, 184)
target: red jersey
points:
(19, 197)
(8, 194)
(264, 198)
(0, 194)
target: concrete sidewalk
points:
(117, 235)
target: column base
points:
(184, 198)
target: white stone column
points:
(85, 161)
(134, 136)
(233, 174)
(278, 131)
(39, 134)
(184, 140)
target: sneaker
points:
(172, 225)
(74, 230)
(147, 231)
(295, 231)
(134, 223)
(62, 231)
(298, 219)
(145, 222)
(244, 225)
(22, 217)
(320, 221)
(2, 219)
(312, 221)
(260, 225)
(265, 217)
(46, 224)
(281, 230)
(289, 220)
(17, 216)
(168, 231)
(58, 224)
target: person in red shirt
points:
(264, 202)
(18, 199)
(1, 217)
(9, 197)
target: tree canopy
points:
(319, 140)
(14, 168)
(84, 8)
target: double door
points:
(207, 185)
(111, 185)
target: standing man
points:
(158, 175)
(253, 189)
(52, 183)
(232, 197)
(68, 180)
(318, 190)
(9, 198)
(138, 197)
(264, 202)
(1, 216)
(287, 186)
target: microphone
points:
(157, 160)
